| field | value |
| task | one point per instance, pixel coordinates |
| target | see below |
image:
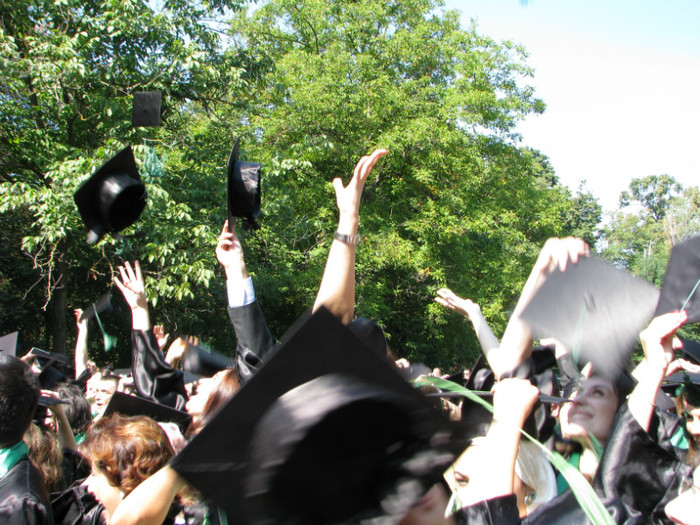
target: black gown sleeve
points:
(154, 378)
(254, 340)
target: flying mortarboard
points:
(128, 405)
(113, 197)
(146, 109)
(243, 188)
(102, 305)
(594, 309)
(325, 432)
(681, 288)
(8, 343)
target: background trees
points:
(310, 86)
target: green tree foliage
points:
(310, 86)
(69, 70)
(655, 214)
(456, 201)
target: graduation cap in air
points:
(681, 288)
(102, 305)
(128, 405)
(198, 361)
(325, 432)
(594, 309)
(113, 197)
(146, 109)
(243, 188)
(8, 343)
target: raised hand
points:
(229, 252)
(348, 197)
(133, 288)
(452, 301)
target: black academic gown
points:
(254, 342)
(23, 496)
(154, 378)
(637, 476)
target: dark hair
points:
(78, 409)
(19, 395)
(47, 455)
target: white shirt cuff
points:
(240, 292)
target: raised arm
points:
(81, 343)
(657, 341)
(471, 311)
(149, 502)
(154, 378)
(512, 402)
(516, 343)
(337, 289)
(254, 342)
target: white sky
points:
(621, 80)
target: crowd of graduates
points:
(326, 426)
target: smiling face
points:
(592, 411)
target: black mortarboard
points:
(325, 432)
(128, 405)
(113, 197)
(681, 289)
(594, 309)
(146, 110)
(8, 343)
(691, 350)
(243, 188)
(102, 305)
(199, 361)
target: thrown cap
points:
(325, 433)
(594, 309)
(146, 109)
(128, 405)
(243, 188)
(102, 305)
(113, 197)
(681, 288)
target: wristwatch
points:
(347, 239)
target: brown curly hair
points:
(127, 450)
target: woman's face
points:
(692, 422)
(592, 411)
(109, 495)
(205, 386)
